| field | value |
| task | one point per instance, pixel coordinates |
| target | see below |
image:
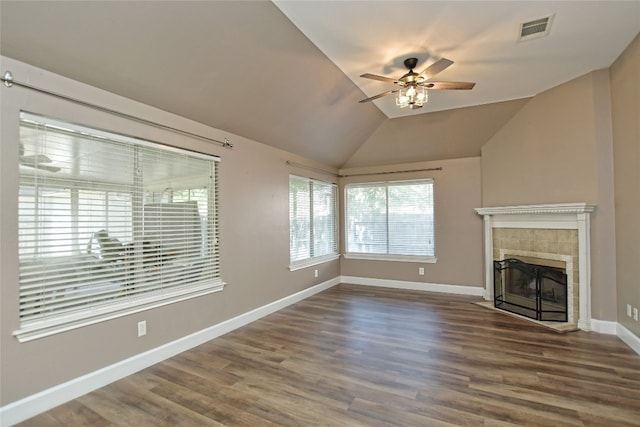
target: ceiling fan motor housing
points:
(411, 63)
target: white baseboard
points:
(628, 337)
(602, 326)
(35, 404)
(415, 286)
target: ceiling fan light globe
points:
(402, 101)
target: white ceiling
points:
(481, 38)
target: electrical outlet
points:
(142, 328)
(315, 273)
(628, 310)
(421, 271)
(635, 314)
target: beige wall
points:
(558, 149)
(458, 229)
(254, 238)
(545, 153)
(625, 102)
(450, 134)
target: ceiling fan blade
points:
(41, 167)
(35, 158)
(49, 168)
(435, 68)
(449, 85)
(38, 161)
(380, 95)
(376, 77)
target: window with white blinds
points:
(390, 220)
(313, 223)
(109, 225)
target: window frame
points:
(95, 311)
(315, 259)
(428, 259)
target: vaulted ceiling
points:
(483, 38)
(246, 68)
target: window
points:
(109, 225)
(390, 220)
(313, 224)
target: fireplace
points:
(532, 290)
(556, 237)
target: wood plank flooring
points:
(364, 356)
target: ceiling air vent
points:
(535, 29)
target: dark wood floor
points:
(360, 356)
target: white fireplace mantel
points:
(566, 208)
(572, 216)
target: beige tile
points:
(564, 235)
(525, 245)
(574, 236)
(552, 246)
(541, 246)
(565, 248)
(540, 234)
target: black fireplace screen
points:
(531, 290)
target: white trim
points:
(603, 326)
(309, 262)
(35, 404)
(584, 271)
(628, 337)
(391, 257)
(415, 286)
(488, 258)
(563, 208)
(41, 329)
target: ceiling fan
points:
(37, 161)
(413, 86)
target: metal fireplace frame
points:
(540, 273)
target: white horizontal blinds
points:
(299, 218)
(175, 235)
(65, 195)
(325, 227)
(410, 218)
(313, 223)
(106, 221)
(366, 218)
(394, 218)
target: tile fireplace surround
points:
(559, 232)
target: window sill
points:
(43, 328)
(299, 265)
(388, 257)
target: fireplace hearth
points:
(535, 291)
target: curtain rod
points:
(391, 172)
(299, 165)
(8, 81)
(289, 162)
